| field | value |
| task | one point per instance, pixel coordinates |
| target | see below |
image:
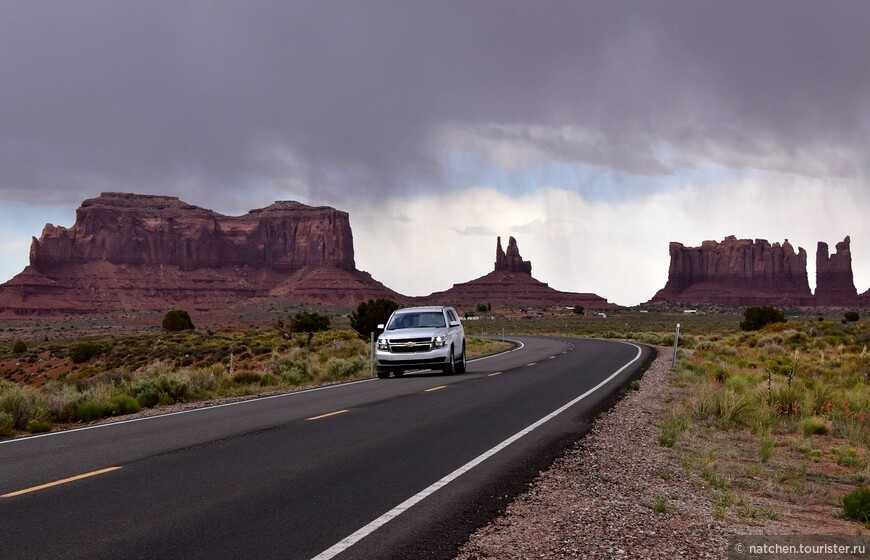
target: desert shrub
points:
(165, 388)
(856, 505)
(247, 377)
(7, 427)
(18, 402)
(91, 409)
(61, 403)
(84, 351)
(851, 316)
(816, 425)
(732, 409)
(123, 404)
(36, 426)
(755, 318)
(339, 368)
(177, 320)
(19, 347)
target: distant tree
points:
(851, 316)
(177, 320)
(579, 310)
(309, 322)
(369, 314)
(482, 308)
(20, 347)
(756, 318)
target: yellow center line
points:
(59, 482)
(336, 413)
(436, 388)
(494, 374)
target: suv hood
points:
(414, 333)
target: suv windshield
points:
(417, 320)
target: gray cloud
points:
(199, 99)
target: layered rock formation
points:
(834, 282)
(511, 284)
(510, 261)
(737, 272)
(130, 251)
(746, 272)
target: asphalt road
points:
(397, 468)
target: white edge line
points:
(203, 408)
(350, 540)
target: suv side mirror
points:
(454, 323)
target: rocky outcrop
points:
(136, 230)
(511, 284)
(128, 251)
(737, 272)
(835, 285)
(510, 261)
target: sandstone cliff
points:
(128, 251)
(737, 272)
(511, 284)
(834, 282)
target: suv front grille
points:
(410, 345)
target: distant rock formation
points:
(511, 261)
(511, 284)
(737, 272)
(745, 272)
(129, 251)
(835, 285)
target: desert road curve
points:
(382, 468)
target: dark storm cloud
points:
(198, 96)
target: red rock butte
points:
(511, 284)
(746, 272)
(143, 252)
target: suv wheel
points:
(460, 366)
(383, 373)
(450, 366)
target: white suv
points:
(421, 338)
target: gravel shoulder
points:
(616, 493)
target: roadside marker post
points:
(676, 346)
(372, 354)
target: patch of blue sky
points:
(594, 183)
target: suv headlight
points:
(440, 341)
(383, 344)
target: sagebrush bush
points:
(84, 351)
(7, 428)
(36, 426)
(90, 410)
(856, 505)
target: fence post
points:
(372, 354)
(676, 346)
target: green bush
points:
(177, 320)
(756, 318)
(91, 410)
(369, 314)
(20, 347)
(856, 505)
(84, 351)
(123, 404)
(7, 429)
(851, 316)
(39, 426)
(17, 402)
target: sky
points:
(593, 132)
